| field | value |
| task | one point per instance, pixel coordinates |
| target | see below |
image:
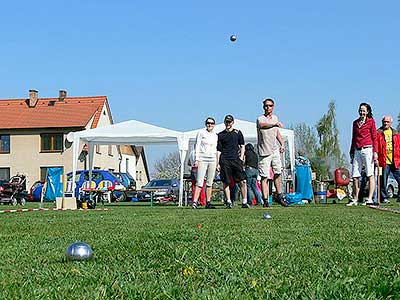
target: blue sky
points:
(171, 63)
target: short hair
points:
(209, 118)
(369, 109)
(390, 118)
(268, 99)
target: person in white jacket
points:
(205, 161)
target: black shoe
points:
(228, 205)
(281, 200)
(266, 203)
(209, 206)
(245, 205)
(194, 205)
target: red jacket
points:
(364, 135)
(382, 148)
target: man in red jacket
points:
(388, 155)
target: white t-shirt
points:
(206, 146)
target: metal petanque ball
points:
(233, 38)
(267, 216)
(79, 251)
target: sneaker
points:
(245, 205)
(194, 205)
(229, 205)
(209, 206)
(368, 202)
(266, 204)
(385, 201)
(352, 203)
(281, 200)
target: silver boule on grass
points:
(79, 251)
(267, 216)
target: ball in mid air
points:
(233, 38)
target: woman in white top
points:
(205, 160)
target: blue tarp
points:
(303, 182)
(54, 184)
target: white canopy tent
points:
(138, 133)
(128, 133)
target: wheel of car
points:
(13, 201)
(390, 191)
(120, 198)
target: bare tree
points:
(398, 122)
(168, 167)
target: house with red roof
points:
(33, 134)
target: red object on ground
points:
(202, 196)
(199, 226)
(342, 177)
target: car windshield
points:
(160, 182)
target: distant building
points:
(33, 134)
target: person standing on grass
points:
(388, 155)
(205, 161)
(193, 177)
(230, 155)
(269, 152)
(251, 169)
(363, 151)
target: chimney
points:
(62, 94)
(33, 98)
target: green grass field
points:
(141, 252)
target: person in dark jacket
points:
(251, 169)
(388, 155)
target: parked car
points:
(392, 186)
(81, 177)
(35, 192)
(128, 182)
(164, 190)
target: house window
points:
(5, 173)
(43, 171)
(110, 150)
(4, 143)
(97, 148)
(51, 142)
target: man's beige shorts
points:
(273, 161)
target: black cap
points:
(228, 118)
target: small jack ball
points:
(233, 38)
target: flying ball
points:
(267, 216)
(79, 251)
(233, 38)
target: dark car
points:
(128, 182)
(163, 190)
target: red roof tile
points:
(72, 112)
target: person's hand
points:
(279, 124)
(376, 158)
(218, 168)
(196, 163)
(282, 149)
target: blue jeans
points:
(384, 179)
(251, 180)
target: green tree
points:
(168, 167)
(328, 154)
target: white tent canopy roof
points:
(129, 133)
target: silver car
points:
(392, 186)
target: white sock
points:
(244, 201)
